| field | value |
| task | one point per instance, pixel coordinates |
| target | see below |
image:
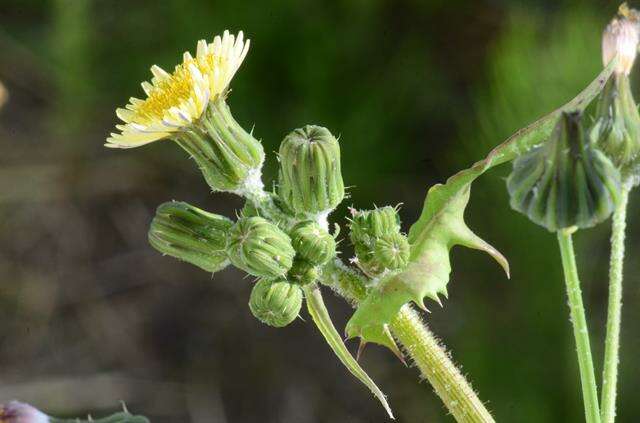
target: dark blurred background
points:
(90, 314)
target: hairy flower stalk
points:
(617, 130)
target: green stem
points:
(421, 345)
(612, 341)
(580, 331)
(436, 366)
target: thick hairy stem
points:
(612, 341)
(436, 366)
(422, 346)
(580, 331)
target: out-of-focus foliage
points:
(90, 314)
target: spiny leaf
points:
(441, 226)
(321, 318)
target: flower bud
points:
(367, 226)
(190, 234)
(621, 38)
(303, 272)
(566, 181)
(18, 412)
(310, 180)
(275, 302)
(313, 243)
(616, 129)
(230, 158)
(392, 251)
(378, 243)
(260, 248)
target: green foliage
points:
(320, 315)
(441, 226)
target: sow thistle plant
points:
(570, 171)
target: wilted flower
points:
(621, 37)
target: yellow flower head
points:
(174, 101)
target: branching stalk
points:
(580, 331)
(612, 340)
(422, 346)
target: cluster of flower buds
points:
(281, 237)
(283, 257)
(379, 244)
(565, 182)
(616, 129)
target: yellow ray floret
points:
(174, 101)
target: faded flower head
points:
(18, 412)
(175, 100)
(621, 37)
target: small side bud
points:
(392, 251)
(18, 412)
(621, 38)
(303, 272)
(190, 234)
(229, 158)
(260, 248)
(368, 225)
(310, 180)
(378, 242)
(312, 243)
(275, 302)
(566, 181)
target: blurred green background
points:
(91, 315)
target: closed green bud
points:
(229, 157)
(310, 180)
(392, 251)
(260, 248)
(275, 302)
(566, 181)
(378, 243)
(367, 226)
(616, 129)
(303, 272)
(313, 243)
(190, 234)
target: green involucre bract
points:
(260, 248)
(275, 302)
(566, 181)
(190, 234)
(313, 243)
(310, 179)
(229, 158)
